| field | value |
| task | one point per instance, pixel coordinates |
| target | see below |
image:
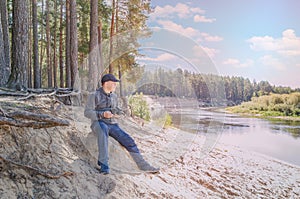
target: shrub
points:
(274, 104)
(139, 106)
(276, 99)
(296, 112)
(168, 120)
(293, 99)
(272, 113)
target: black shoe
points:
(104, 169)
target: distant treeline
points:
(208, 89)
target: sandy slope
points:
(69, 154)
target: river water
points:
(278, 139)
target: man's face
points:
(110, 86)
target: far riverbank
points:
(248, 113)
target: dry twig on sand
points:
(38, 171)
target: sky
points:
(255, 39)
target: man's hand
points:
(108, 114)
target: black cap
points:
(109, 77)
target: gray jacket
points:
(98, 102)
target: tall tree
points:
(55, 45)
(5, 40)
(18, 77)
(128, 19)
(42, 41)
(61, 62)
(73, 42)
(112, 32)
(48, 49)
(248, 90)
(93, 47)
(68, 46)
(36, 65)
(264, 87)
(100, 58)
(119, 61)
(2, 59)
(30, 47)
(83, 13)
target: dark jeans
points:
(104, 130)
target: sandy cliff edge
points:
(60, 162)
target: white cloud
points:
(211, 51)
(208, 37)
(231, 61)
(189, 31)
(269, 60)
(201, 18)
(203, 51)
(179, 10)
(287, 45)
(237, 64)
(263, 43)
(160, 58)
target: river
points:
(278, 139)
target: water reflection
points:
(279, 139)
(291, 127)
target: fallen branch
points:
(72, 93)
(37, 120)
(43, 173)
(37, 117)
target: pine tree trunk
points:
(29, 68)
(4, 42)
(54, 48)
(112, 26)
(48, 49)
(119, 64)
(36, 65)
(93, 46)
(42, 49)
(68, 50)
(73, 42)
(61, 62)
(100, 67)
(18, 77)
(2, 59)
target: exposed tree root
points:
(18, 119)
(63, 94)
(19, 113)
